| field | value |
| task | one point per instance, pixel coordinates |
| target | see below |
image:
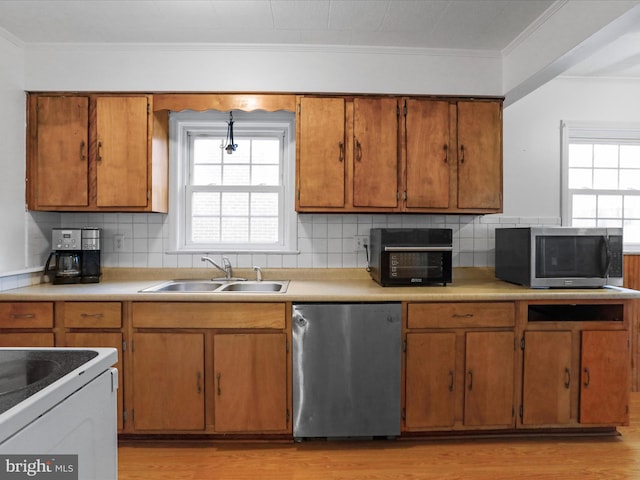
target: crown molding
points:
(11, 38)
(256, 48)
(534, 26)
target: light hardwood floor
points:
(557, 458)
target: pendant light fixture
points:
(231, 146)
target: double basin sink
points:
(219, 286)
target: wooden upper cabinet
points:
(375, 152)
(320, 172)
(93, 153)
(121, 166)
(61, 152)
(428, 156)
(479, 128)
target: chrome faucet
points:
(258, 271)
(226, 269)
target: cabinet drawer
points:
(92, 314)
(26, 315)
(208, 315)
(461, 315)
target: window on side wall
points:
(601, 178)
(232, 202)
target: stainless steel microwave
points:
(560, 257)
(410, 256)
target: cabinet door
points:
(122, 161)
(479, 155)
(103, 339)
(250, 382)
(606, 379)
(19, 339)
(168, 381)
(375, 156)
(546, 391)
(321, 152)
(428, 162)
(430, 380)
(61, 157)
(489, 379)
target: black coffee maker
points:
(75, 257)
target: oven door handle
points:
(438, 248)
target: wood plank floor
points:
(557, 458)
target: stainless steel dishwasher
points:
(346, 370)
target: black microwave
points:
(560, 257)
(410, 256)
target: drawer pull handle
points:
(92, 315)
(470, 379)
(567, 376)
(587, 378)
(22, 315)
(341, 147)
(198, 378)
(219, 390)
(462, 315)
(451, 380)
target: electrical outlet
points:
(118, 242)
(359, 242)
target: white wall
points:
(12, 158)
(532, 136)
(211, 68)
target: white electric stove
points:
(60, 402)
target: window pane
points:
(610, 206)
(629, 179)
(236, 175)
(266, 151)
(584, 206)
(583, 222)
(207, 175)
(242, 153)
(580, 178)
(605, 179)
(630, 156)
(207, 150)
(235, 229)
(580, 155)
(632, 206)
(205, 229)
(631, 232)
(264, 204)
(264, 230)
(266, 175)
(235, 204)
(605, 156)
(609, 222)
(205, 203)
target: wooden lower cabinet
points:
(547, 378)
(484, 384)
(605, 380)
(168, 381)
(489, 372)
(250, 382)
(26, 324)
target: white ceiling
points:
(481, 25)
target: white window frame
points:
(592, 132)
(181, 124)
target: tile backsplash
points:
(324, 241)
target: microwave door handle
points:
(607, 249)
(442, 248)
